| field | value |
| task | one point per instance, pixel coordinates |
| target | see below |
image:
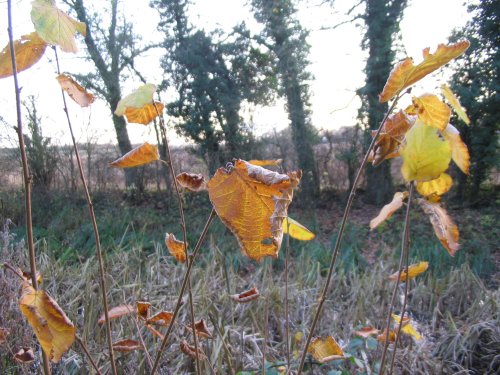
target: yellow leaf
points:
(141, 155)
(444, 227)
(413, 271)
(383, 336)
(459, 150)
(263, 163)
(191, 181)
(127, 345)
(325, 349)
(252, 202)
(455, 104)
(175, 247)
(432, 111)
(406, 74)
(54, 26)
(387, 211)
(246, 296)
(75, 91)
(116, 312)
(439, 186)
(407, 327)
(425, 155)
(53, 329)
(28, 50)
(145, 114)
(297, 230)
(137, 99)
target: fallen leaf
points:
(325, 349)
(162, 318)
(413, 271)
(455, 104)
(252, 202)
(459, 150)
(405, 74)
(143, 309)
(246, 296)
(444, 227)
(75, 91)
(28, 50)
(382, 336)
(127, 345)
(297, 230)
(439, 186)
(191, 181)
(4, 332)
(366, 332)
(175, 247)
(387, 211)
(145, 114)
(430, 110)
(137, 99)
(190, 350)
(263, 163)
(117, 312)
(54, 330)
(25, 355)
(144, 154)
(201, 329)
(54, 26)
(425, 155)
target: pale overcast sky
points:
(337, 63)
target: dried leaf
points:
(191, 181)
(264, 163)
(154, 331)
(252, 202)
(436, 187)
(386, 147)
(25, 355)
(406, 74)
(246, 296)
(162, 318)
(4, 332)
(127, 345)
(145, 114)
(366, 332)
(175, 247)
(297, 230)
(430, 110)
(75, 91)
(397, 125)
(28, 50)
(141, 155)
(190, 350)
(54, 26)
(444, 227)
(27, 276)
(425, 155)
(117, 312)
(54, 330)
(325, 349)
(413, 271)
(143, 309)
(137, 99)
(201, 329)
(382, 336)
(387, 211)
(455, 104)
(459, 150)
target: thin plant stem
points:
(178, 305)
(102, 272)
(266, 317)
(405, 249)
(184, 233)
(27, 179)
(340, 235)
(227, 351)
(287, 317)
(87, 353)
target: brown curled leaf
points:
(75, 91)
(143, 309)
(190, 350)
(246, 296)
(162, 318)
(127, 345)
(25, 355)
(366, 332)
(201, 329)
(191, 181)
(117, 312)
(387, 211)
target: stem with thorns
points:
(102, 272)
(339, 236)
(26, 174)
(405, 243)
(184, 233)
(178, 305)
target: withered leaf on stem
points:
(144, 154)
(246, 296)
(75, 91)
(175, 247)
(25, 355)
(190, 350)
(127, 345)
(117, 312)
(192, 181)
(387, 211)
(29, 50)
(201, 329)
(162, 318)
(143, 309)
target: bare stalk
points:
(87, 353)
(287, 317)
(405, 246)
(178, 305)
(184, 234)
(102, 272)
(340, 235)
(26, 174)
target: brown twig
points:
(287, 317)
(340, 235)
(405, 246)
(87, 353)
(102, 272)
(26, 174)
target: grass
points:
(454, 308)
